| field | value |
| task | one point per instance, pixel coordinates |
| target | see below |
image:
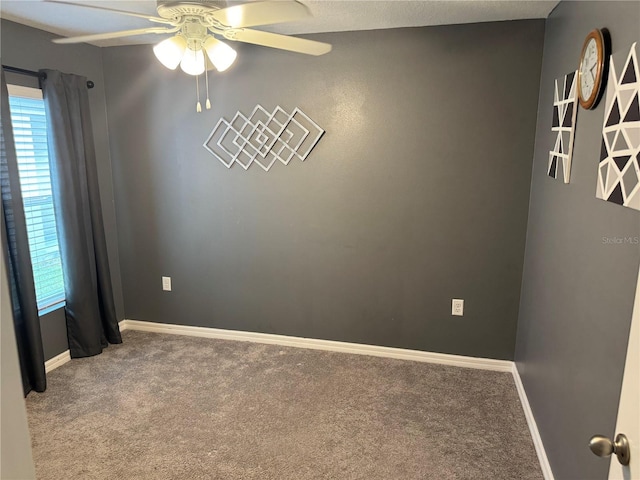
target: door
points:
(629, 409)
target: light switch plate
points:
(166, 284)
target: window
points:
(30, 133)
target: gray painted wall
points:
(417, 194)
(577, 295)
(16, 461)
(32, 49)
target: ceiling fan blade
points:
(275, 40)
(110, 35)
(261, 13)
(121, 12)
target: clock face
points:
(592, 69)
(589, 69)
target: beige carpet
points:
(165, 406)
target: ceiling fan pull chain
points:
(207, 104)
(198, 106)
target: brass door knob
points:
(603, 447)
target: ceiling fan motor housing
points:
(173, 9)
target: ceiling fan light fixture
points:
(221, 55)
(193, 62)
(171, 51)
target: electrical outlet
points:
(166, 284)
(457, 307)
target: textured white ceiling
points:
(328, 15)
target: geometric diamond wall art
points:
(619, 170)
(565, 109)
(263, 137)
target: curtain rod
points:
(31, 73)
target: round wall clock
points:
(591, 75)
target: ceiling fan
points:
(197, 24)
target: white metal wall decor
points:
(565, 108)
(263, 137)
(619, 172)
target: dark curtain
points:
(90, 308)
(15, 248)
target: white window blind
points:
(30, 134)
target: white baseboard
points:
(533, 427)
(57, 361)
(330, 345)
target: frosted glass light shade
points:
(170, 51)
(221, 55)
(192, 62)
